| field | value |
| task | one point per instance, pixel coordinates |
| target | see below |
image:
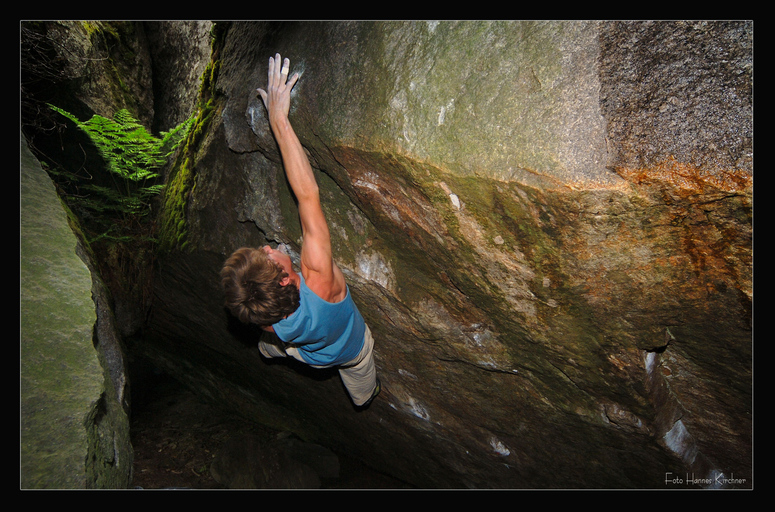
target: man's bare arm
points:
(316, 248)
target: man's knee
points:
(270, 350)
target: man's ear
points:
(285, 280)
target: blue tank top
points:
(326, 333)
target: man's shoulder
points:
(330, 288)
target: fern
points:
(132, 156)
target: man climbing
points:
(312, 313)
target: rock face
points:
(248, 461)
(547, 226)
(74, 392)
(74, 424)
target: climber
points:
(312, 313)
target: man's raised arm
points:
(316, 248)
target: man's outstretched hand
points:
(277, 95)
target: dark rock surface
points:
(73, 403)
(547, 225)
(181, 442)
(559, 283)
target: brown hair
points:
(251, 284)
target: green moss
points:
(182, 178)
(172, 228)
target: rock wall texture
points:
(548, 226)
(73, 414)
(74, 390)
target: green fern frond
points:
(129, 153)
